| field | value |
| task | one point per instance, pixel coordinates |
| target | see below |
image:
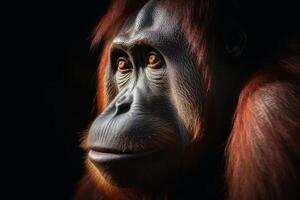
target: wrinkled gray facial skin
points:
(155, 93)
(153, 88)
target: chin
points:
(134, 170)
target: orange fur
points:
(263, 148)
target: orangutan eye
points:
(123, 64)
(154, 60)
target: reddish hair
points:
(264, 146)
(194, 24)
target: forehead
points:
(151, 24)
(152, 16)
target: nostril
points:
(123, 105)
(122, 108)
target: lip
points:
(107, 156)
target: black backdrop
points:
(50, 87)
(69, 92)
(51, 79)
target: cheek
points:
(187, 97)
(110, 87)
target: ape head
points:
(157, 100)
(169, 81)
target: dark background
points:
(50, 85)
(51, 79)
(69, 89)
